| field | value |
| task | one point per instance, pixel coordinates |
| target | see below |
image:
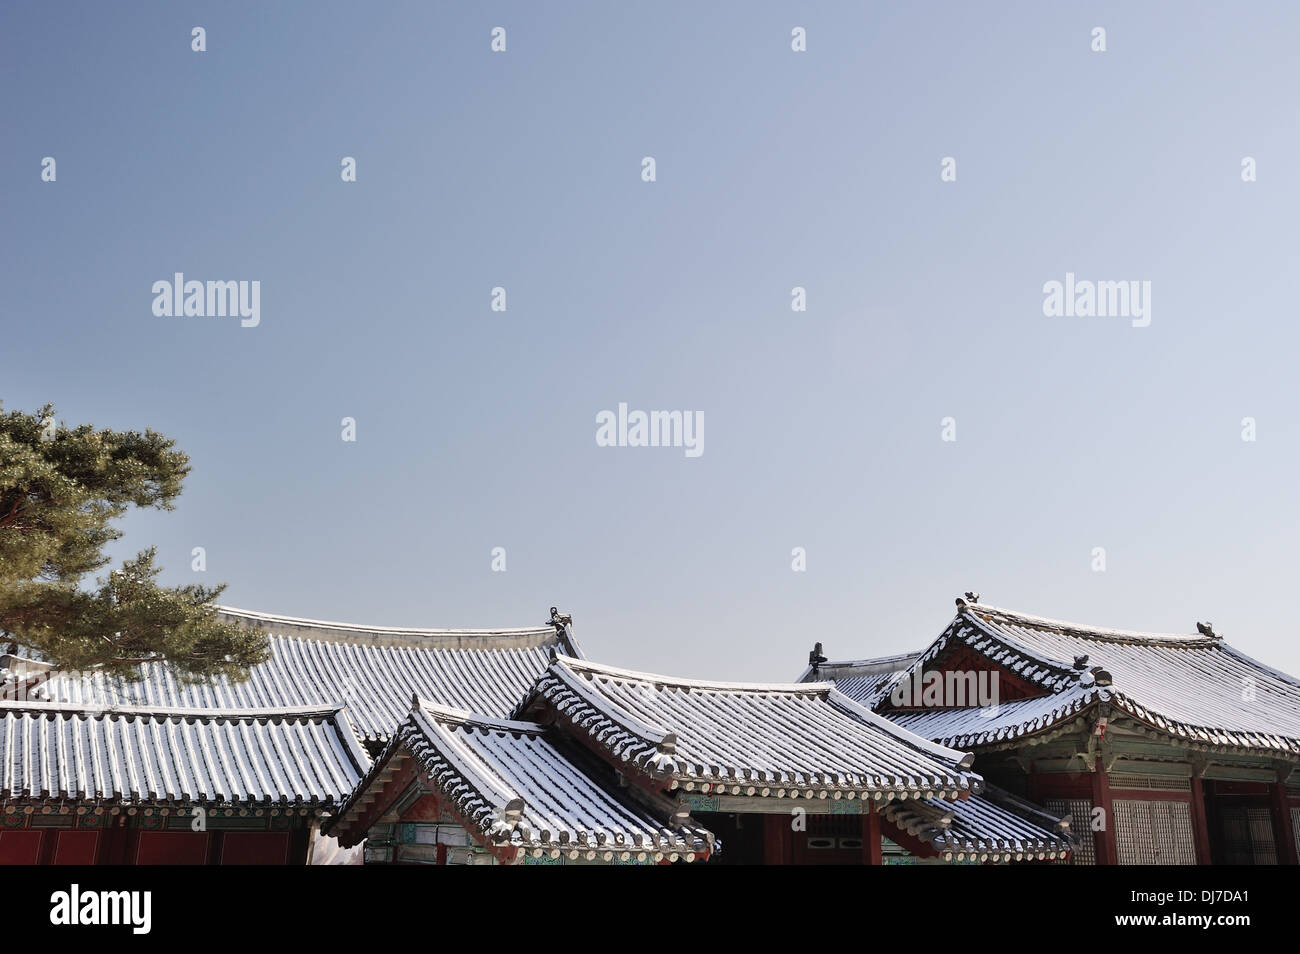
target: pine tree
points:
(60, 491)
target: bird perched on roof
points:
(1207, 629)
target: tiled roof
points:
(969, 726)
(864, 680)
(297, 757)
(373, 670)
(795, 740)
(1196, 688)
(994, 826)
(519, 785)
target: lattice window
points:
(1261, 835)
(1295, 828)
(1247, 836)
(1153, 832)
(1080, 812)
(1154, 783)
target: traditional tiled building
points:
(169, 786)
(478, 790)
(131, 761)
(518, 750)
(608, 765)
(1171, 749)
(788, 773)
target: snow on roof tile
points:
(995, 826)
(133, 756)
(520, 785)
(1197, 688)
(863, 680)
(800, 739)
(373, 670)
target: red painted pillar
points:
(1283, 831)
(776, 830)
(1106, 852)
(871, 854)
(116, 846)
(216, 846)
(1200, 823)
(300, 836)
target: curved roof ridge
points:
(1086, 631)
(873, 661)
(327, 710)
(794, 688)
(339, 632)
(454, 716)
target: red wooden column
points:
(776, 847)
(300, 842)
(1200, 822)
(217, 847)
(49, 838)
(1106, 852)
(1283, 832)
(871, 853)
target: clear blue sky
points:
(476, 429)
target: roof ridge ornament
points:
(815, 658)
(964, 602)
(510, 820)
(560, 622)
(1207, 629)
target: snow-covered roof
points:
(373, 670)
(970, 726)
(520, 785)
(1196, 688)
(862, 680)
(307, 757)
(994, 826)
(785, 740)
